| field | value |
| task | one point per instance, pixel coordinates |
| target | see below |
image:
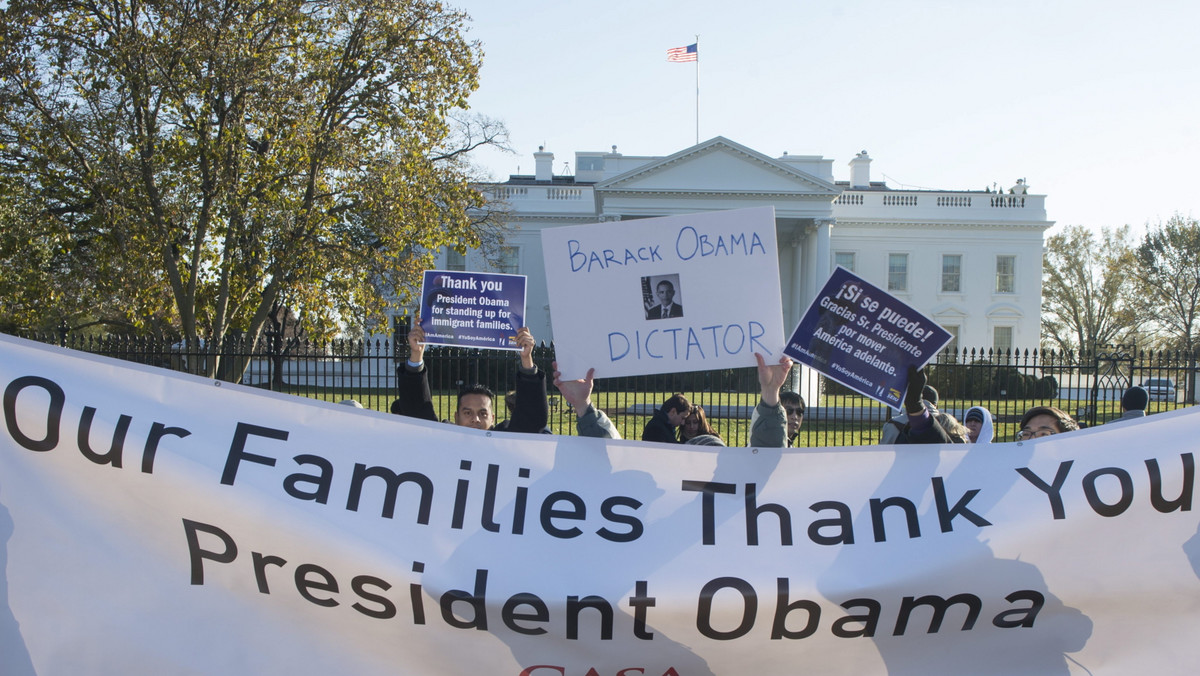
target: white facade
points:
(970, 259)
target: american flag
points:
(682, 54)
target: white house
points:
(971, 259)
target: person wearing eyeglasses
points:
(793, 407)
(1045, 421)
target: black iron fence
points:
(1088, 385)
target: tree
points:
(206, 161)
(1168, 262)
(1090, 288)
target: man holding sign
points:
(475, 406)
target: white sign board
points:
(665, 295)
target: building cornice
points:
(896, 223)
(538, 218)
(718, 194)
(721, 144)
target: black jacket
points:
(532, 414)
(659, 428)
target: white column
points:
(795, 296)
(824, 255)
(811, 263)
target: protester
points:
(589, 420)
(696, 424)
(475, 402)
(793, 406)
(978, 422)
(891, 430)
(770, 424)
(510, 405)
(1133, 404)
(1044, 421)
(926, 426)
(661, 426)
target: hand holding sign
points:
(416, 342)
(912, 393)
(526, 342)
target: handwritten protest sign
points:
(472, 309)
(864, 337)
(665, 295)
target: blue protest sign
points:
(864, 338)
(472, 309)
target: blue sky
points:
(1096, 104)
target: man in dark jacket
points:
(475, 402)
(1133, 404)
(661, 426)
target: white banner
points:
(155, 523)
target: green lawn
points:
(861, 429)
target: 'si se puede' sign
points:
(472, 309)
(864, 338)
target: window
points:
(844, 259)
(585, 163)
(897, 272)
(455, 262)
(1006, 274)
(951, 273)
(510, 260)
(1002, 339)
(951, 349)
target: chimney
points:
(860, 171)
(544, 163)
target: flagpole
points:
(697, 90)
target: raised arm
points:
(526, 343)
(770, 421)
(771, 378)
(416, 342)
(922, 427)
(533, 411)
(414, 398)
(590, 421)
